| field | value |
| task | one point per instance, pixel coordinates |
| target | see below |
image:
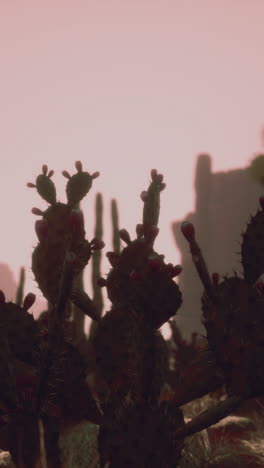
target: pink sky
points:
(124, 86)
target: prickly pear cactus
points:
(252, 248)
(18, 341)
(234, 322)
(61, 231)
(233, 312)
(131, 354)
(139, 276)
(19, 327)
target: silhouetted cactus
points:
(20, 288)
(44, 380)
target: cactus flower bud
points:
(215, 278)
(260, 287)
(37, 211)
(188, 231)
(175, 271)
(135, 275)
(41, 228)
(97, 244)
(78, 166)
(2, 297)
(29, 184)
(261, 201)
(101, 282)
(154, 263)
(44, 169)
(159, 178)
(95, 175)
(29, 301)
(153, 174)
(124, 235)
(70, 258)
(66, 174)
(144, 195)
(50, 174)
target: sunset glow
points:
(123, 86)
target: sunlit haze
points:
(123, 86)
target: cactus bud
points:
(154, 263)
(66, 174)
(101, 282)
(159, 178)
(97, 244)
(188, 231)
(44, 169)
(153, 174)
(95, 175)
(37, 211)
(41, 228)
(70, 258)
(175, 271)
(260, 287)
(144, 195)
(2, 297)
(29, 301)
(135, 275)
(29, 184)
(78, 166)
(50, 173)
(124, 235)
(261, 201)
(215, 278)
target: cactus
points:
(20, 289)
(133, 398)
(115, 226)
(131, 354)
(61, 230)
(233, 313)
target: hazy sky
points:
(125, 86)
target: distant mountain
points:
(224, 202)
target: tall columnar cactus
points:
(96, 260)
(20, 288)
(60, 232)
(115, 226)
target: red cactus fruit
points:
(188, 231)
(29, 301)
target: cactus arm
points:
(115, 226)
(209, 417)
(20, 289)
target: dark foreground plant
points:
(44, 380)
